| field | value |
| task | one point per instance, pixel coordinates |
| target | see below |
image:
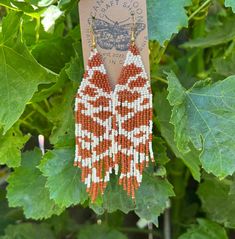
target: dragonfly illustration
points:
(114, 34)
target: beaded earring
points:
(113, 126)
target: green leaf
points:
(8, 215)
(166, 17)
(54, 53)
(28, 231)
(62, 115)
(160, 151)
(151, 198)
(205, 229)
(232, 186)
(27, 189)
(50, 15)
(225, 65)
(100, 232)
(163, 110)
(205, 115)
(20, 74)
(230, 3)
(217, 201)
(114, 198)
(219, 35)
(75, 67)
(23, 6)
(10, 147)
(63, 179)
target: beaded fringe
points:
(113, 128)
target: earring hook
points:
(93, 42)
(133, 28)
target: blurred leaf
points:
(232, 186)
(230, 3)
(23, 6)
(100, 232)
(219, 35)
(74, 68)
(44, 3)
(10, 147)
(8, 215)
(54, 53)
(205, 229)
(217, 201)
(28, 231)
(62, 116)
(50, 15)
(166, 17)
(225, 65)
(27, 189)
(63, 179)
(205, 115)
(20, 74)
(163, 109)
(66, 4)
(159, 149)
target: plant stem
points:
(18, 10)
(38, 108)
(161, 52)
(38, 23)
(167, 225)
(177, 177)
(157, 78)
(150, 227)
(199, 9)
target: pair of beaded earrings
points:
(113, 127)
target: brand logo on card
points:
(113, 31)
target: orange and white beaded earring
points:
(113, 126)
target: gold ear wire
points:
(133, 28)
(93, 42)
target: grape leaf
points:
(61, 114)
(100, 232)
(163, 110)
(160, 151)
(217, 201)
(151, 198)
(219, 35)
(75, 67)
(166, 17)
(205, 115)
(28, 231)
(54, 53)
(8, 215)
(205, 229)
(20, 74)
(225, 65)
(230, 3)
(27, 189)
(10, 147)
(114, 198)
(63, 179)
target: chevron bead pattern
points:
(113, 127)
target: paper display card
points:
(112, 27)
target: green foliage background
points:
(191, 192)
